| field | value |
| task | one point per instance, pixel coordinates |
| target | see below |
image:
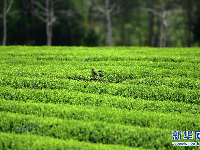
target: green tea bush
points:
(49, 98)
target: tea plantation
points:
(50, 100)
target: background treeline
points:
(157, 23)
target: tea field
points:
(50, 100)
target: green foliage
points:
(148, 92)
(35, 142)
(49, 93)
(74, 97)
(105, 114)
(95, 132)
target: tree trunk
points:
(4, 23)
(109, 24)
(151, 25)
(26, 23)
(151, 33)
(189, 18)
(123, 31)
(167, 37)
(33, 27)
(49, 34)
(48, 22)
(161, 34)
(163, 23)
(156, 34)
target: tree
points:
(151, 23)
(163, 10)
(127, 20)
(106, 10)
(46, 14)
(189, 13)
(162, 14)
(4, 17)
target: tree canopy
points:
(156, 23)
